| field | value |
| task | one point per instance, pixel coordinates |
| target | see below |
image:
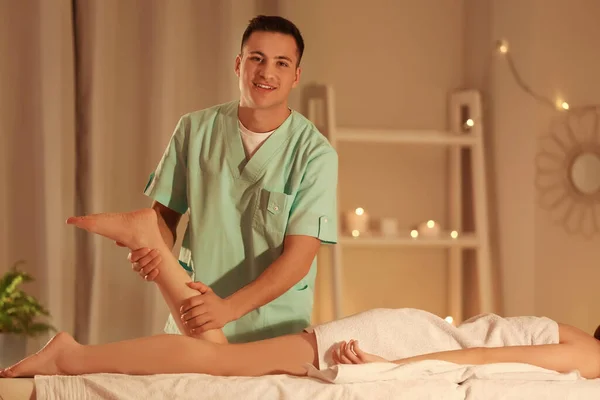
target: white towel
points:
(399, 333)
(438, 371)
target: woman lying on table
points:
(540, 341)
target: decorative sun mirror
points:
(568, 172)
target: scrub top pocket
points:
(272, 214)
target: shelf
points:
(403, 136)
(466, 240)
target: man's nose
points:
(266, 70)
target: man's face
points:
(266, 69)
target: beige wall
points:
(566, 62)
(544, 270)
(511, 133)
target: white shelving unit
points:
(465, 132)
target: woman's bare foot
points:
(46, 361)
(134, 229)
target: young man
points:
(259, 182)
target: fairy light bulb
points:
(359, 211)
(430, 223)
(453, 234)
(561, 105)
(449, 319)
(414, 234)
(470, 123)
(502, 47)
(355, 233)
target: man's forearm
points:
(287, 270)
(279, 277)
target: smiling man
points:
(259, 182)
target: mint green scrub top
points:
(240, 210)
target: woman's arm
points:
(583, 356)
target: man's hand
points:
(350, 353)
(144, 261)
(206, 311)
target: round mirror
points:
(585, 173)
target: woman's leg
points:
(139, 229)
(171, 354)
(164, 353)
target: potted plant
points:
(20, 316)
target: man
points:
(259, 182)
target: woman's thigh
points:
(285, 354)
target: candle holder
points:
(389, 227)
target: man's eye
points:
(255, 58)
(284, 64)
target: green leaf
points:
(18, 310)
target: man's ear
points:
(238, 61)
(297, 78)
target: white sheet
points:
(514, 389)
(422, 380)
(200, 387)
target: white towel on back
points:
(406, 332)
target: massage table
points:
(423, 380)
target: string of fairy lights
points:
(558, 103)
(567, 142)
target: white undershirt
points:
(252, 140)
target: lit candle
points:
(429, 229)
(357, 221)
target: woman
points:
(564, 350)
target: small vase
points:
(13, 348)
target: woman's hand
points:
(350, 353)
